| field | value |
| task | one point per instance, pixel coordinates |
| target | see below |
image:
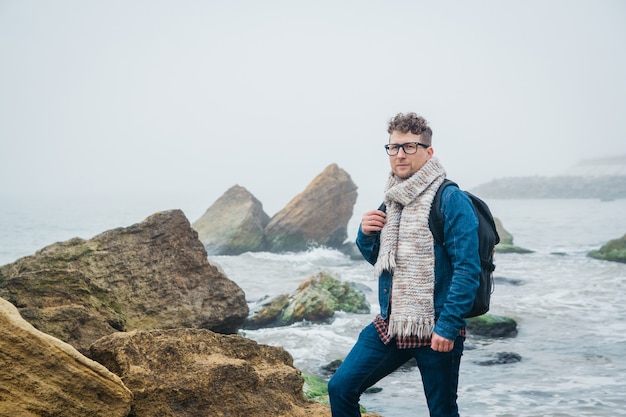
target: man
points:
(424, 288)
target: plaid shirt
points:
(408, 342)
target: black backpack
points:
(487, 240)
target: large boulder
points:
(43, 376)
(194, 372)
(154, 274)
(614, 250)
(234, 224)
(317, 216)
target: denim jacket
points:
(457, 264)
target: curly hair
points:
(413, 123)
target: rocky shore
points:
(137, 321)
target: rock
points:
(234, 224)
(316, 300)
(317, 216)
(508, 281)
(195, 372)
(489, 325)
(506, 240)
(330, 368)
(153, 274)
(270, 313)
(43, 376)
(614, 250)
(352, 251)
(501, 359)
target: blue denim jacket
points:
(457, 264)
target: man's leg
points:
(368, 362)
(440, 376)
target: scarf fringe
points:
(386, 261)
(403, 327)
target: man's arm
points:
(461, 244)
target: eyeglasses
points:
(409, 148)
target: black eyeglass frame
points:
(402, 145)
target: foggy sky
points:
(184, 99)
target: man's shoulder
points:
(450, 189)
(452, 197)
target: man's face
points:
(403, 164)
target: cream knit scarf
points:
(406, 250)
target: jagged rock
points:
(506, 240)
(319, 215)
(316, 300)
(153, 274)
(489, 325)
(234, 224)
(195, 372)
(614, 250)
(43, 376)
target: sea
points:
(570, 308)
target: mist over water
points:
(111, 99)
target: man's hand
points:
(441, 344)
(373, 221)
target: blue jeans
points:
(370, 360)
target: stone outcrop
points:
(234, 224)
(317, 216)
(316, 300)
(43, 376)
(506, 240)
(614, 250)
(154, 274)
(489, 325)
(194, 372)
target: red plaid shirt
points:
(408, 342)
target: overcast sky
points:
(185, 99)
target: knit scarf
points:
(406, 250)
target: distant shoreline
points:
(564, 187)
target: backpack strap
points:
(435, 220)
